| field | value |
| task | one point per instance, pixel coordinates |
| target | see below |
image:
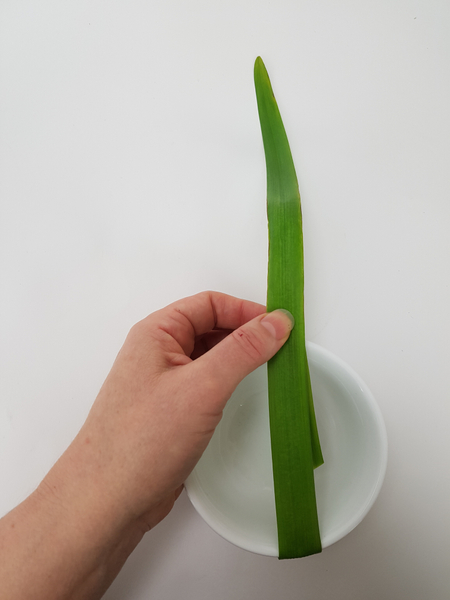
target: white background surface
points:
(132, 174)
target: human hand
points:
(165, 394)
(148, 427)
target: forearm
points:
(70, 538)
(52, 549)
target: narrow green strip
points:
(294, 438)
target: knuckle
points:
(139, 335)
(250, 344)
(136, 332)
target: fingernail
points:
(278, 323)
(289, 315)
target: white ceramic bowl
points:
(232, 486)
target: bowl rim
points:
(381, 430)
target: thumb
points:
(244, 350)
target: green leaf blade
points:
(294, 437)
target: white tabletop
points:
(132, 174)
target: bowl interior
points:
(232, 486)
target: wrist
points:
(76, 535)
(50, 552)
(77, 493)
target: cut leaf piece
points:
(294, 438)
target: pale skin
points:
(147, 428)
